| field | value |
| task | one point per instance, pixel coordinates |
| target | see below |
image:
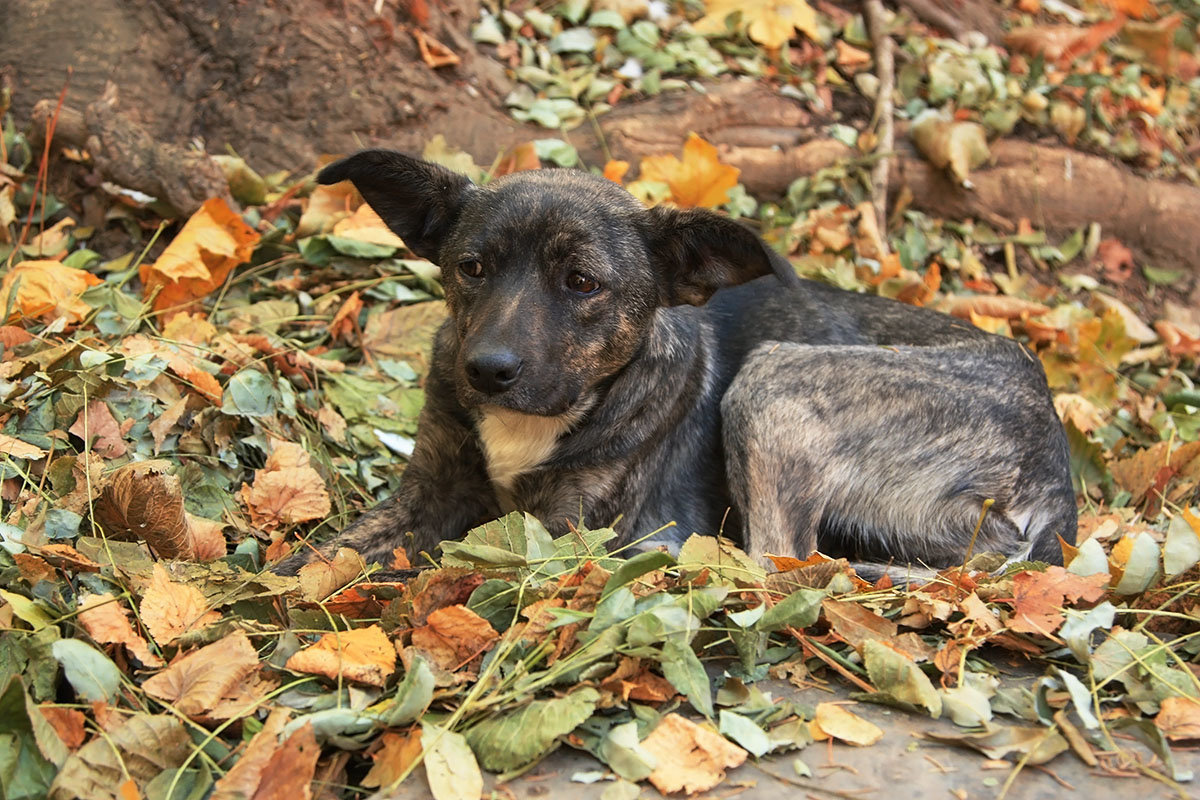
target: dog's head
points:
(552, 277)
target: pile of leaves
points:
(176, 417)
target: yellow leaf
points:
(363, 655)
(170, 609)
(699, 180)
(319, 579)
(364, 225)
(46, 289)
(690, 758)
(769, 22)
(207, 248)
(845, 726)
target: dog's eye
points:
(471, 268)
(581, 284)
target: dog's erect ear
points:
(696, 252)
(418, 200)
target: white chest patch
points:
(514, 443)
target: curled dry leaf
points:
(326, 206)
(141, 502)
(698, 180)
(46, 289)
(68, 723)
(363, 655)
(345, 320)
(180, 361)
(242, 780)
(1179, 718)
(396, 753)
(833, 720)
(169, 609)
(454, 636)
(949, 144)
(689, 758)
(105, 620)
(15, 448)
(364, 225)
(199, 258)
(196, 683)
(319, 579)
(999, 306)
(287, 490)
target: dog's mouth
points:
(531, 399)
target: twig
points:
(885, 70)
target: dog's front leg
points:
(444, 491)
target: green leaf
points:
(897, 676)
(1090, 560)
(617, 607)
(30, 750)
(357, 248)
(1141, 570)
(798, 610)
(1181, 550)
(724, 561)
(966, 706)
(573, 40)
(1162, 277)
(1077, 630)
(450, 765)
(249, 393)
(745, 732)
(621, 750)
(636, 567)
(683, 669)
(413, 696)
(1081, 697)
(516, 738)
(1040, 744)
(92, 674)
(465, 553)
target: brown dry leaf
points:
(454, 636)
(142, 503)
(319, 579)
(165, 423)
(189, 329)
(105, 620)
(15, 448)
(207, 536)
(1081, 412)
(1138, 473)
(633, 680)
(53, 242)
(11, 336)
(834, 720)
(769, 22)
(1116, 260)
(199, 258)
(1062, 43)
(196, 683)
(345, 321)
(289, 772)
(1038, 597)
(364, 225)
(64, 556)
(326, 206)
(287, 490)
(170, 609)
(404, 333)
(32, 568)
(518, 159)
(68, 723)
(1179, 718)
(1178, 341)
(856, 623)
(396, 752)
(46, 289)
(180, 361)
(433, 52)
(698, 180)
(100, 430)
(363, 655)
(690, 758)
(1000, 306)
(242, 780)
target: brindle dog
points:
(607, 362)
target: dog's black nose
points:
(493, 371)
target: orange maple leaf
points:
(698, 180)
(207, 248)
(1039, 597)
(363, 655)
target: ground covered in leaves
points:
(180, 411)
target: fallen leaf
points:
(950, 144)
(1062, 43)
(181, 361)
(833, 720)
(1080, 411)
(196, 683)
(364, 225)
(68, 723)
(1179, 718)
(139, 747)
(15, 448)
(1116, 260)
(898, 677)
(363, 655)
(769, 22)
(518, 159)
(518, 737)
(242, 779)
(1038, 745)
(287, 490)
(210, 244)
(615, 170)
(289, 772)
(319, 579)
(142, 503)
(326, 206)
(433, 52)
(100, 430)
(46, 290)
(1135, 328)
(404, 333)
(857, 624)
(169, 609)
(396, 752)
(689, 758)
(698, 180)
(454, 636)
(450, 766)
(1039, 597)
(105, 620)
(1000, 306)
(345, 320)
(53, 242)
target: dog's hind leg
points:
(886, 455)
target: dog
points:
(603, 361)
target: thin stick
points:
(988, 503)
(885, 70)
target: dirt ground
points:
(903, 765)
